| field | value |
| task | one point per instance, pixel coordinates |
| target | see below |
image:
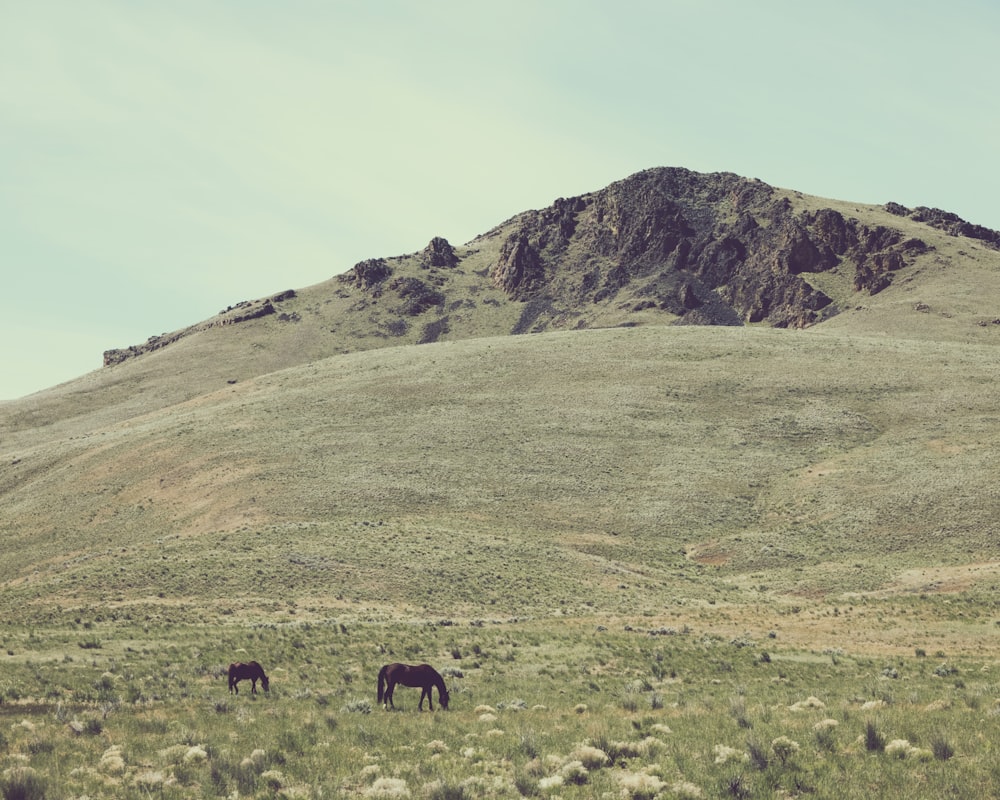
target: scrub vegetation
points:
(540, 708)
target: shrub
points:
(22, 783)
(358, 706)
(824, 733)
(897, 748)
(388, 788)
(640, 785)
(417, 296)
(685, 790)
(784, 748)
(807, 704)
(273, 779)
(724, 753)
(574, 772)
(551, 782)
(439, 790)
(591, 757)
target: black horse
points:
(424, 677)
(252, 672)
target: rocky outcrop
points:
(948, 222)
(368, 273)
(703, 249)
(718, 247)
(520, 270)
(439, 253)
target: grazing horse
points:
(424, 677)
(252, 672)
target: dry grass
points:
(622, 471)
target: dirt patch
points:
(708, 553)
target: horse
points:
(252, 672)
(423, 676)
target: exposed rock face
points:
(368, 273)
(720, 245)
(703, 249)
(520, 270)
(439, 253)
(946, 221)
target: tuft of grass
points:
(941, 747)
(874, 738)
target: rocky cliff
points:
(711, 249)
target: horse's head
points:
(265, 682)
(443, 697)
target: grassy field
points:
(539, 709)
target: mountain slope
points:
(666, 246)
(379, 441)
(631, 467)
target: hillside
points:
(735, 394)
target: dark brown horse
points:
(252, 672)
(423, 677)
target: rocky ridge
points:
(692, 248)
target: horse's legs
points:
(253, 685)
(390, 687)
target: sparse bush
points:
(574, 772)
(784, 748)
(22, 783)
(387, 789)
(724, 754)
(442, 790)
(898, 748)
(360, 705)
(640, 785)
(591, 757)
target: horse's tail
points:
(381, 682)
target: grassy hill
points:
(316, 488)
(310, 456)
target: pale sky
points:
(160, 161)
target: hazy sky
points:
(160, 161)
